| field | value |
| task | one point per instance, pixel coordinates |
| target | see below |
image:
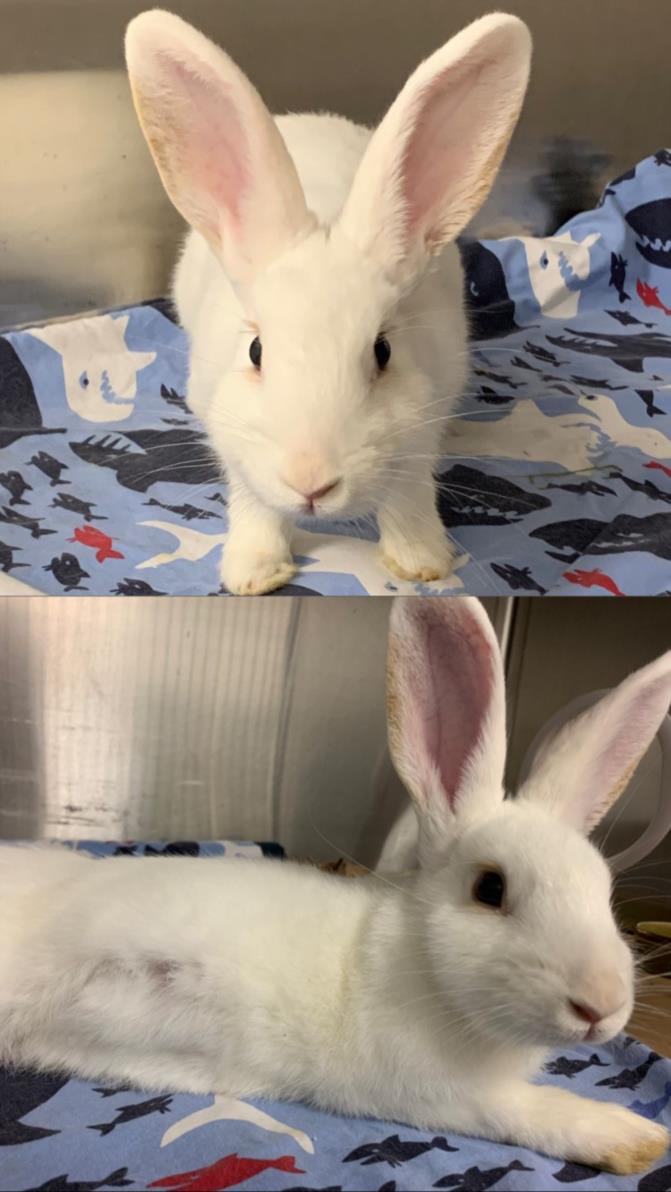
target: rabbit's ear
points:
(220, 156)
(431, 162)
(446, 712)
(585, 766)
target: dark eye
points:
(490, 888)
(255, 352)
(382, 352)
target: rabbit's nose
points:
(310, 494)
(586, 1013)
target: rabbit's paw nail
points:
(615, 1139)
(254, 574)
(419, 564)
(639, 1147)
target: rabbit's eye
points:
(382, 352)
(490, 888)
(255, 352)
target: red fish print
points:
(225, 1173)
(102, 543)
(649, 296)
(662, 467)
(593, 579)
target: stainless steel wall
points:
(197, 718)
(83, 222)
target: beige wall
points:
(83, 222)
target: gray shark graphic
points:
(652, 225)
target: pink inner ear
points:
(440, 149)
(209, 159)
(454, 699)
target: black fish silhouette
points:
(74, 505)
(563, 1066)
(647, 396)
(16, 486)
(468, 497)
(610, 189)
(51, 467)
(618, 274)
(652, 225)
(130, 1113)
(176, 456)
(663, 157)
(122, 1088)
(572, 1173)
(20, 415)
(174, 398)
(646, 486)
(176, 848)
(7, 558)
(475, 1180)
(497, 378)
(590, 536)
(493, 397)
(629, 1078)
(518, 362)
(62, 1183)
(21, 1092)
(165, 307)
(218, 497)
(629, 351)
(656, 1181)
(188, 512)
(541, 353)
(135, 587)
(490, 309)
(591, 383)
(584, 487)
(626, 319)
(518, 578)
(394, 1151)
(13, 518)
(66, 569)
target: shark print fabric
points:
(556, 476)
(58, 1134)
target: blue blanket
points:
(58, 1134)
(559, 473)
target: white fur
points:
(317, 235)
(406, 1001)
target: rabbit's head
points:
(519, 925)
(326, 388)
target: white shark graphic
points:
(557, 266)
(99, 369)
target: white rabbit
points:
(431, 1002)
(326, 355)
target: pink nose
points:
(587, 1013)
(316, 493)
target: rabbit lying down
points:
(328, 341)
(433, 1001)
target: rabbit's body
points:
(235, 976)
(321, 289)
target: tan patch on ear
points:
(613, 794)
(479, 192)
(157, 139)
(638, 1157)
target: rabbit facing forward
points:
(328, 343)
(431, 1001)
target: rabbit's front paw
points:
(617, 1140)
(417, 561)
(253, 572)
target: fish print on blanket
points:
(556, 476)
(63, 1135)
